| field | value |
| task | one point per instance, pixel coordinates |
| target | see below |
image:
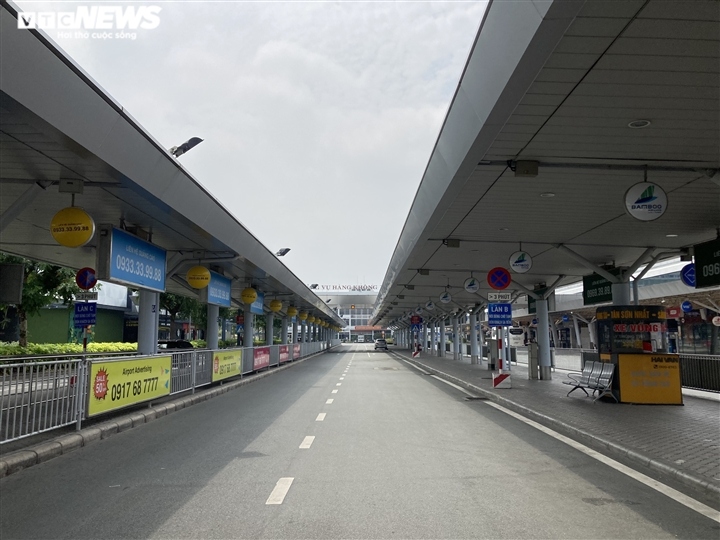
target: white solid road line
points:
(307, 442)
(320, 417)
(334, 391)
(329, 401)
(640, 477)
(281, 488)
(419, 369)
(454, 386)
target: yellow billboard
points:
(119, 383)
(650, 378)
(226, 364)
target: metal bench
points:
(595, 376)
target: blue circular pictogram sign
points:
(686, 306)
(687, 275)
(85, 278)
(499, 278)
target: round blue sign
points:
(687, 275)
(686, 306)
(534, 321)
(566, 318)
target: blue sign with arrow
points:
(687, 275)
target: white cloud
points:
(318, 118)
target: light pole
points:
(178, 151)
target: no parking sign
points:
(499, 278)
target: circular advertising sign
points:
(72, 227)
(645, 201)
(471, 285)
(445, 298)
(430, 305)
(520, 262)
(716, 320)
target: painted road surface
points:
(388, 452)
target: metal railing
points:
(38, 396)
(700, 371)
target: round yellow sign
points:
(198, 277)
(72, 227)
(275, 306)
(248, 295)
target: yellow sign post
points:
(226, 364)
(115, 384)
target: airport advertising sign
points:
(257, 306)
(284, 353)
(597, 289)
(126, 259)
(117, 384)
(226, 364)
(261, 358)
(707, 264)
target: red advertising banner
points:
(261, 358)
(284, 353)
(674, 312)
(296, 351)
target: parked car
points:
(177, 344)
(381, 344)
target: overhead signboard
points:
(126, 259)
(707, 264)
(597, 289)
(499, 314)
(257, 306)
(499, 296)
(218, 290)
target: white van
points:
(361, 339)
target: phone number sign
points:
(226, 364)
(121, 383)
(131, 261)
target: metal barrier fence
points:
(700, 371)
(38, 396)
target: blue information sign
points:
(85, 314)
(499, 314)
(257, 306)
(686, 306)
(218, 290)
(687, 275)
(415, 327)
(136, 262)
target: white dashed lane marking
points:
(334, 391)
(329, 401)
(307, 442)
(281, 489)
(320, 417)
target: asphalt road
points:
(353, 444)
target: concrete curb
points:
(598, 443)
(33, 455)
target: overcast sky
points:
(318, 118)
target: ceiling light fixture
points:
(639, 124)
(671, 236)
(547, 194)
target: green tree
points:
(43, 284)
(178, 305)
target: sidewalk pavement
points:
(682, 441)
